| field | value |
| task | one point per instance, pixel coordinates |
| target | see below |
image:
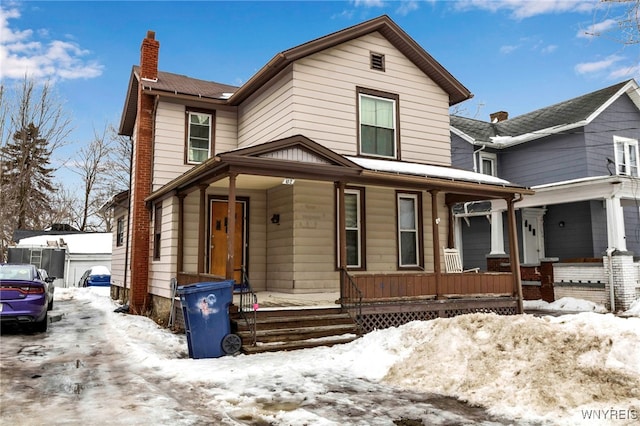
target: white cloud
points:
(22, 54)
(625, 72)
(505, 50)
(521, 9)
(407, 6)
(549, 49)
(597, 29)
(368, 3)
(597, 66)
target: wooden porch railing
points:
(392, 286)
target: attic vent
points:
(377, 61)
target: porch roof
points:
(301, 158)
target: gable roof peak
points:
(382, 24)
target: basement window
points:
(377, 61)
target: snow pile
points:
(526, 367)
(569, 304)
(634, 309)
(523, 367)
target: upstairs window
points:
(626, 156)
(199, 127)
(488, 163)
(378, 124)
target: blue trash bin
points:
(205, 307)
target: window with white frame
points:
(409, 229)
(488, 163)
(120, 232)
(354, 227)
(378, 127)
(198, 136)
(157, 231)
(626, 153)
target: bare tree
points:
(91, 165)
(623, 27)
(33, 124)
(119, 161)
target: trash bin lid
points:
(204, 286)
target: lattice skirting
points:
(381, 320)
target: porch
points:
(285, 321)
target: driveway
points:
(77, 373)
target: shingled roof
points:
(183, 86)
(173, 84)
(573, 112)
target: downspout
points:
(475, 161)
(513, 249)
(126, 250)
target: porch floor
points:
(279, 300)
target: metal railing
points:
(351, 299)
(248, 304)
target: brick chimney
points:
(499, 116)
(149, 57)
(141, 179)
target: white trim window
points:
(488, 163)
(378, 126)
(408, 230)
(198, 137)
(353, 227)
(626, 154)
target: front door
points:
(218, 241)
(532, 235)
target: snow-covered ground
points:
(559, 370)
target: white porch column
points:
(615, 224)
(497, 229)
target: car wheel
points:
(41, 326)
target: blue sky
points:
(514, 55)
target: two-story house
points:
(581, 158)
(328, 171)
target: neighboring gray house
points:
(581, 158)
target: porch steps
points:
(290, 329)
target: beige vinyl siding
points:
(191, 232)
(325, 99)
(169, 147)
(314, 240)
(381, 238)
(119, 253)
(226, 134)
(267, 115)
(279, 260)
(162, 270)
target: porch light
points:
(275, 218)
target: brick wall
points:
(141, 180)
(625, 279)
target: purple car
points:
(25, 296)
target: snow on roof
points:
(426, 170)
(96, 243)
